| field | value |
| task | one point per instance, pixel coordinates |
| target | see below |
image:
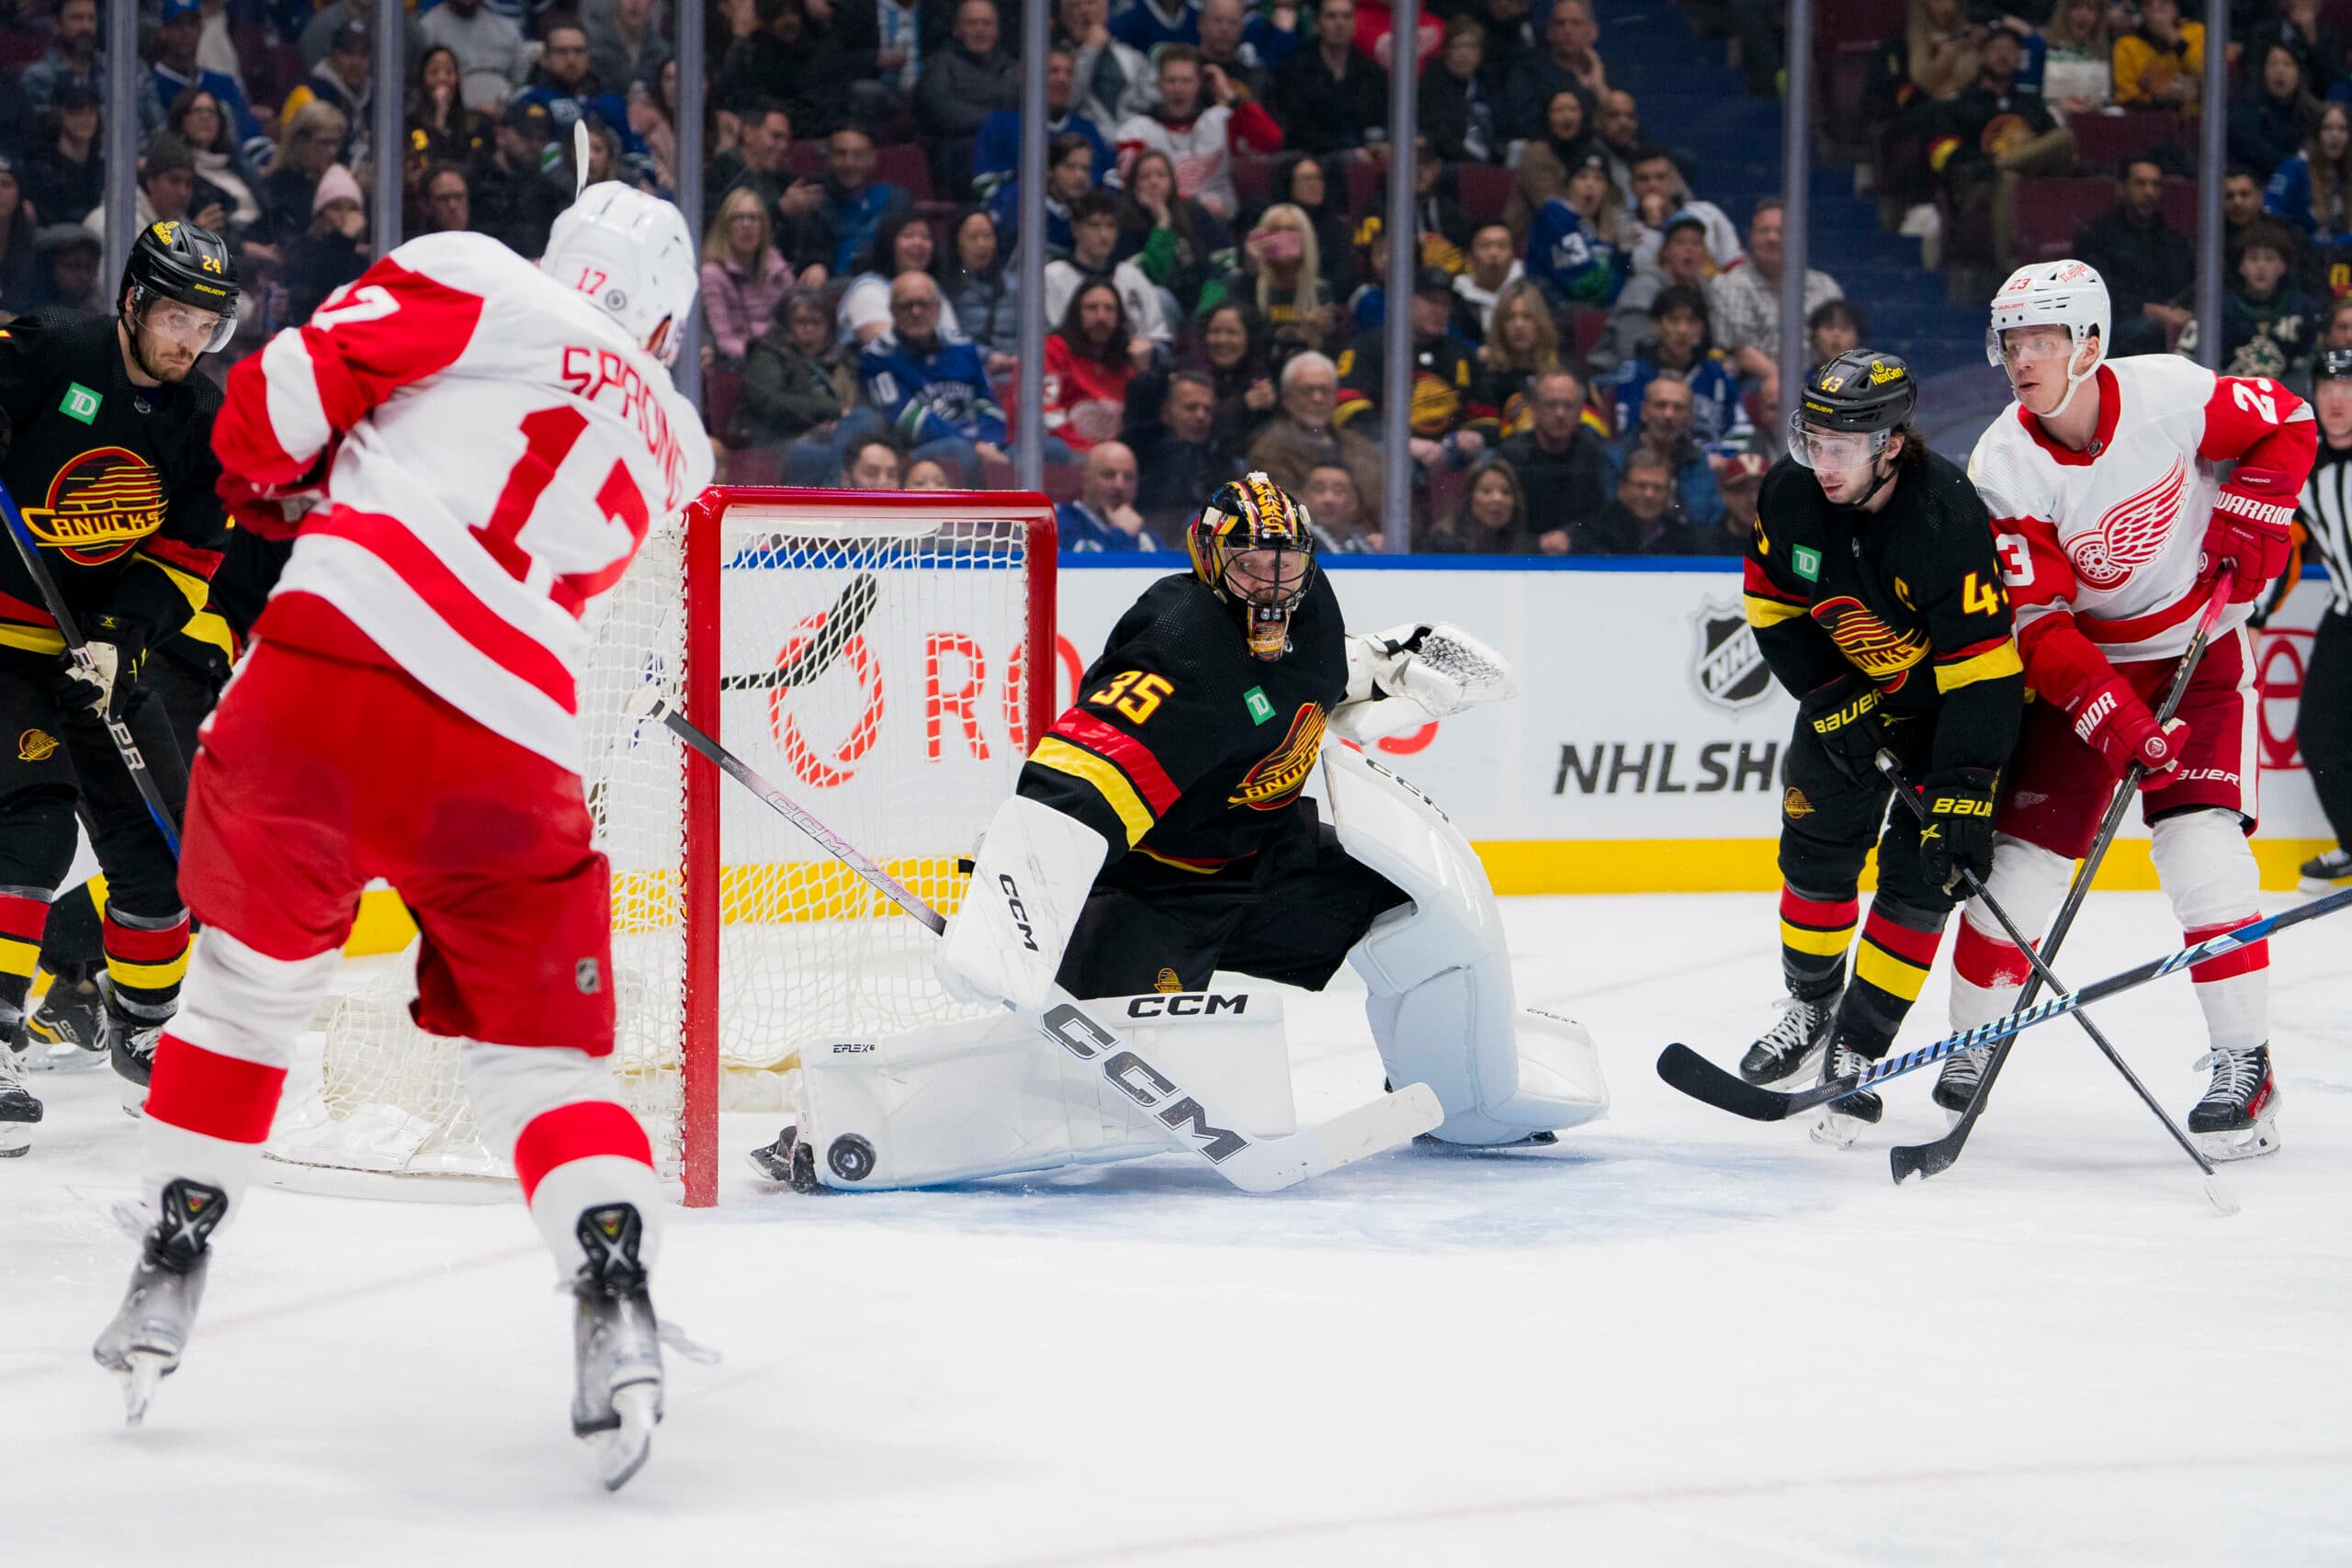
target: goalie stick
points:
(1254, 1165)
(1977, 889)
(1700, 1079)
(1934, 1158)
(28, 547)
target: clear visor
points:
(1834, 451)
(206, 332)
(1269, 577)
(2027, 345)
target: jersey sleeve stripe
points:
(1109, 783)
(1757, 582)
(194, 589)
(1991, 665)
(1196, 866)
(1132, 757)
(297, 413)
(190, 559)
(1762, 612)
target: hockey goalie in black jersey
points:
(1160, 835)
(1876, 597)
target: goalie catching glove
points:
(1415, 674)
(1029, 884)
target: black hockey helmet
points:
(177, 261)
(1860, 390)
(2333, 365)
(1253, 514)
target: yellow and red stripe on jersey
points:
(1121, 769)
(1987, 660)
(1197, 865)
(1768, 604)
(1817, 926)
(1893, 957)
(190, 568)
(29, 626)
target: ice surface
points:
(1677, 1338)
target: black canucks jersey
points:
(1182, 746)
(1910, 596)
(115, 480)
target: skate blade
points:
(15, 1137)
(622, 1452)
(2247, 1143)
(2319, 888)
(1834, 1131)
(146, 1369)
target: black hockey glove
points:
(1958, 834)
(1843, 716)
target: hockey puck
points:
(851, 1158)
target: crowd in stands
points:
(1595, 342)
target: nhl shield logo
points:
(1726, 667)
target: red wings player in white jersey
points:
(475, 447)
(2105, 482)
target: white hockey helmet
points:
(631, 254)
(2069, 294)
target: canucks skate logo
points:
(2132, 534)
(1726, 667)
(1873, 646)
(100, 506)
(1274, 781)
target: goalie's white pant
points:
(1443, 1008)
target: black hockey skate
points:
(2238, 1117)
(144, 1343)
(19, 1111)
(67, 1028)
(2326, 874)
(1957, 1080)
(616, 1346)
(1841, 1119)
(130, 1044)
(1792, 1045)
(787, 1161)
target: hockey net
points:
(885, 658)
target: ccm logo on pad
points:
(1186, 1004)
(1020, 914)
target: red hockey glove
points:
(2112, 720)
(2251, 529)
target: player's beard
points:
(160, 360)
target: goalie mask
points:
(1250, 544)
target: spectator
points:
(1563, 462)
(16, 239)
(1457, 112)
(2003, 134)
(743, 279)
(1171, 428)
(2268, 322)
(987, 302)
(331, 250)
(854, 202)
(319, 31)
(449, 201)
(1835, 328)
(796, 389)
(2267, 126)
(795, 203)
(167, 189)
(1617, 127)
(73, 58)
(791, 60)
(1301, 433)
(1094, 245)
(1745, 303)
(1493, 269)
(1306, 182)
(442, 128)
(1644, 520)
(66, 177)
(1569, 62)
(1448, 423)
(2241, 201)
(2071, 62)
(491, 62)
(198, 121)
(2160, 64)
(1742, 484)
(960, 87)
(625, 47)
(1522, 345)
(1490, 518)
(925, 473)
(1114, 79)
(653, 115)
(1333, 98)
(2338, 332)
(1226, 42)
(1942, 49)
(1679, 349)
(514, 201)
(176, 70)
(2147, 265)
(1070, 179)
(902, 245)
(1444, 228)
(570, 89)
(1233, 357)
(873, 465)
(65, 269)
(2310, 189)
(1090, 356)
(1658, 196)
(932, 388)
(1186, 254)
(2304, 32)
(1292, 298)
(1562, 144)
(344, 81)
(1510, 42)
(1104, 517)
(1575, 245)
(1666, 434)
(1199, 140)
(996, 159)
(1335, 513)
(1681, 261)
(882, 50)
(306, 150)
(1145, 25)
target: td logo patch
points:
(80, 402)
(1254, 699)
(1805, 562)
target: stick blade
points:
(1685, 1070)
(1908, 1160)
(1383, 1123)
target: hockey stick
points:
(1701, 1079)
(843, 622)
(29, 549)
(1934, 1158)
(1254, 1165)
(1977, 889)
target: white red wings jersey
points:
(2114, 533)
(504, 449)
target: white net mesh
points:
(876, 670)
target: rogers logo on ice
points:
(2132, 534)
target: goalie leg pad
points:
(989, 1097)
(2208, 871)
(1443, 1009)
(1028, 888)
